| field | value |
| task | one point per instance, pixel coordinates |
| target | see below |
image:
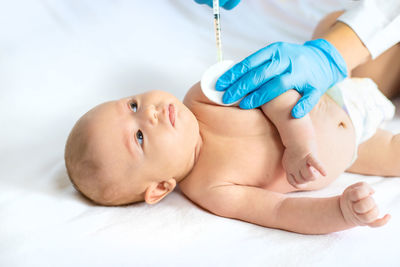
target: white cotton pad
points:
(209, 79)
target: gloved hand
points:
(311, 69)
(227, 4)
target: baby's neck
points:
(194, 158)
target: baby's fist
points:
(301, 168)
(359, 208)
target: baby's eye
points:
(139, 136)
(133, 106)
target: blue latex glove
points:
(227, 4)
(311, 69)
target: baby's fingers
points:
(364, 205)
(369, 216)
(380, 222)
(290, 178)
(309, 173)
(314, 162)
(361, 191)
(295, 183)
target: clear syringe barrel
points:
(217, 28)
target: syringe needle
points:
(217, 28)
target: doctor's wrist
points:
(350, 47)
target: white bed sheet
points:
(59, 58)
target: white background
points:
(59, 58)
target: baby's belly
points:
(336, 144)
(335, 139)
(256, 160)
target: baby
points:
(239, 163)
(229, 160)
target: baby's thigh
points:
(384, 70)
(379, 155)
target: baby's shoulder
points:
(225, 120)
(195, 96)
(207, 173)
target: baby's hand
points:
(359, 208)
(301, 166)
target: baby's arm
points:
(300, 158)
(302, 214)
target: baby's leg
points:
(384, 70)
(379, 155)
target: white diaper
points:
(366, 106)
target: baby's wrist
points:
(346, 212)
(303, 146)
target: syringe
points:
(217, 28)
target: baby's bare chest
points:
(244, 147)
(247, 151)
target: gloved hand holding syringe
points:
(310, 69)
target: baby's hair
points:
(74, 154)
(87, 173)
(72, 173)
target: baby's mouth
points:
(171, 113)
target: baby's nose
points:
(151, 115)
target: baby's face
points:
(143, 138)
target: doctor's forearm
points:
(347, 43)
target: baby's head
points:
(132, 149)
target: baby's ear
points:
(158, 190)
